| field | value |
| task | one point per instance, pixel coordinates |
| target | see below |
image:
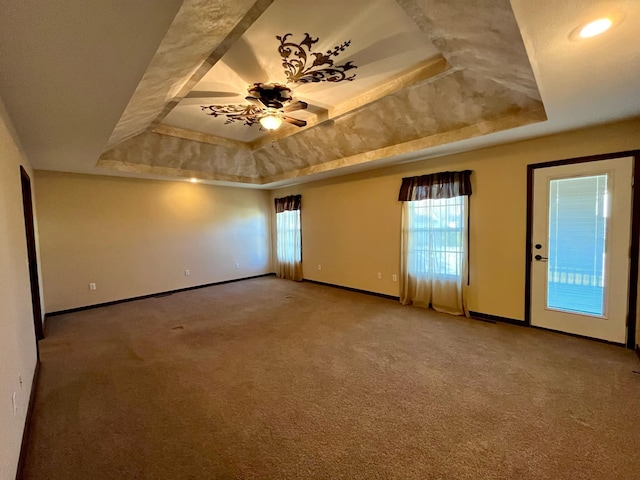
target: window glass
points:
(436, 243)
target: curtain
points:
(436, 185)
(292, 202)
(434, 250)
(288, 237)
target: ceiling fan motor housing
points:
(272, 95)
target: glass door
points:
(580, 256)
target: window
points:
(288, 237)
(433, 263)
(436, 230)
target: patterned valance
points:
(436, 185)
(292, 202)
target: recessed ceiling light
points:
(193, 180)
(596, 27)
(589, 29)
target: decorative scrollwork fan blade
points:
(242, 114)
(216, 110)
(294, 121)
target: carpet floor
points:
(272, 379)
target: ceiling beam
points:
(199, 137)
(173, 172)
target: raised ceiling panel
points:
(383, 42)
(427, 73)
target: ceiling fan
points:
(270, 102)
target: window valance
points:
(292, 202)
(436, 185)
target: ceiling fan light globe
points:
(271, 122)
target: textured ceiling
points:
(443, 76)
(469, 75)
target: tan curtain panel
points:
(434, 259)
(436, 185)
(288, 237)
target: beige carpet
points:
(271, 379)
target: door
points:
(31, 252)
(581, 236)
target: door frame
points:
(36, 305)
(634, 244)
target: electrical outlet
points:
(92, 286)
(187, 272)
(319, 267)
(379, 275)
(394, 277)
(237, 265)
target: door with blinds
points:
(580, 248)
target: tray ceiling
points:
(433, 77)
(427, 73)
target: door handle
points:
(540, 258)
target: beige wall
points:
(136, 237)
(351, 224)
(17, 337)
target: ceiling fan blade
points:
(264, 103)
(294, 121)
(205, 94)
(320, 112)
(255, 101)
(299, 105)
